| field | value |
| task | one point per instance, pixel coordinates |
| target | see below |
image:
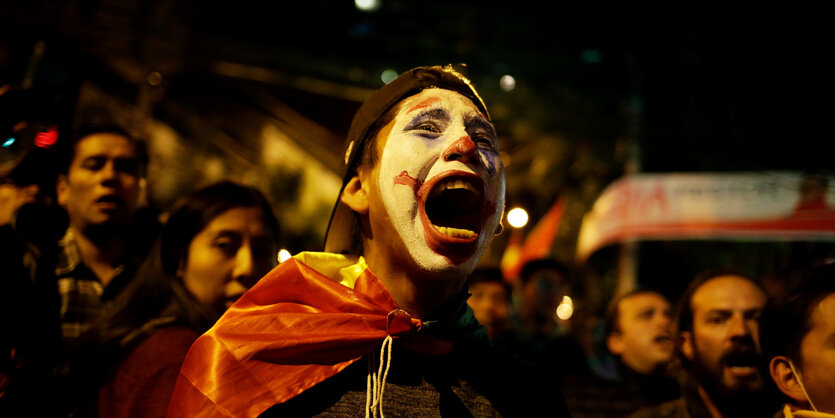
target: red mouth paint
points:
(405, 179)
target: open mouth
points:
(109, 201)
(663, 338)
(742, 364)
(455, 205)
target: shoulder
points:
(670, 409)
(165, 347)
(143, 383)
(512, 385)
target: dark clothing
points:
(559, 355)
(691, 405)
(143, 383)
(477, 380)
(30, 338)
(631, 392)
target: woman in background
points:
(217, 242)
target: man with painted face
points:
(718, 345)
(797, 333)
(379, 322)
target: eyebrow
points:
(440, 114)
(479, 122)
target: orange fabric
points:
(292, 330)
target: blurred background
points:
(263, 93)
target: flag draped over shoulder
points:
(298, 326)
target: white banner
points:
(763, 206)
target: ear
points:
(687, 344)
(785, 379)
(614, 341)
(355, 195)
(62, 189)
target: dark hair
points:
(613, 309)
(684, 308)
(98, 126)
(785, 320)
(192, 213)
(156, 291)
(533, 266)
(489, 275)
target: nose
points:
(243, 272)
(738, 327)
(463, 149)
(108, 173)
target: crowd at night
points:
(241, 232)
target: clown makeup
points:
(441, 179)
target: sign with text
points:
(757, 206)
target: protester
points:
(543, 338)
(30, 225)
(797, 330)
(639, 334)
(379, 323)
(490, 300)
(718, 346)
(218, 241)
(100, 189)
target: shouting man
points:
(379, 322)
(719, 346)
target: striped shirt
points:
(83, 296)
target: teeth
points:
(457, 184)
(456, 233)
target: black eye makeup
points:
(430, 123)
(481, 132)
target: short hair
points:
(785, 320)
(684, 308)
(103, 127)
(531, 267)
(489, 275)
(613, 309)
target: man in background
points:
(797, 331)
(718, 344)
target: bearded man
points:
(718, 344)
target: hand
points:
(12, 198)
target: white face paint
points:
(441, 180)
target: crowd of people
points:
(109, 309)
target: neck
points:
(418, 292)
(101, 253)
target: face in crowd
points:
(489, 302)
(437, 191)
(101, 187)
(643, 334)
(811, 382)
(228, 256)
(723, 346)
(542, 293)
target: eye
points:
(431, 127)
(483, 141)
(226, 245)
(93, 164)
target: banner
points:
(745, 206)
